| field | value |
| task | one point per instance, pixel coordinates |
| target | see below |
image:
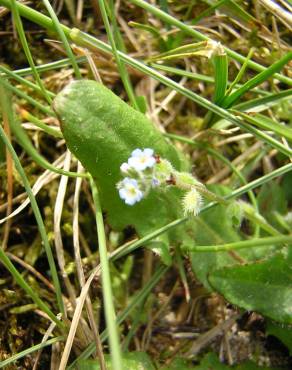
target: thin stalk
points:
(258, 182)
(25, 142)
(24, 81)
(44, 109)
(26, 49)
(109, 309)
(208, 11)
(50, 66)
(134, 327)
(198, 76)
(110, 7)
(265, 123)
(63, 37)
(261, 242)
(265, 102)
(39, 123)
(26, 287)
(121, 66)
(44, 237)
(256, 218)
(241, 72)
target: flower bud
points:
(192, 202)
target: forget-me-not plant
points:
(145, 170)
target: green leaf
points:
(282, 332)
(102, 131)
(131, 360)
(264, 287)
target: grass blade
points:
(30, 350)
(257, 80)
(44, 109)
(21, 33)
(265, 123)
(121, 67)
(241, 72)
(260, 104)
(106, 285)
(5, 105)
(23, 81)
(63, 37)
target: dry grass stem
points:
(57, 229)
(79, 267)
(42, 180)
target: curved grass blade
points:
(257, 80)
(26, 49)
(265, 123)
(63, 37)
(30, 350)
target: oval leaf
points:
(264, 287)
(102, 131)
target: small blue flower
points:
(142, 159)
(129, 191)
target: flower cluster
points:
(139, 176)
(144, 171)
